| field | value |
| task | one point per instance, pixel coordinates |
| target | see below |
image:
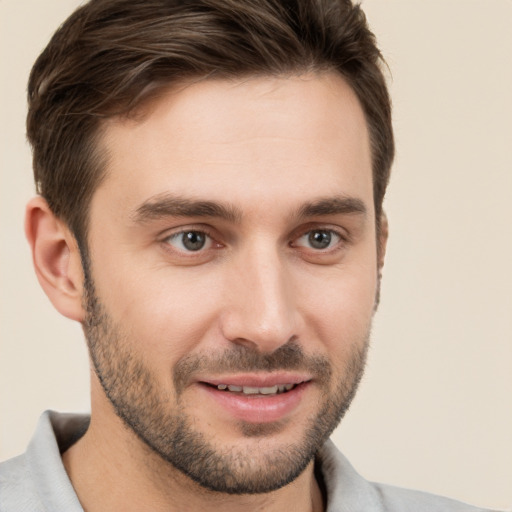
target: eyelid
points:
(342, 233)
(338, 239)
(174, 233)
(185, 228)
(178, 237)
(328, 256)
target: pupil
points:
(320, 239)
(193, 240)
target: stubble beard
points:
(144, 407)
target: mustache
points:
(240, 358)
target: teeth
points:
(249, 390)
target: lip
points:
(257, 408)
(258, 380)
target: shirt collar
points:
(346, 490)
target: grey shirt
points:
(37, 481)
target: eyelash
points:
(331, 233)
(340, 239)
(210, 240)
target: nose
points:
(260, 310)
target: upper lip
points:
(257, 380)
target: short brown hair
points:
(109, 53)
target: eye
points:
(319, 239)
(190, 241)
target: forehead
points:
(242, 140)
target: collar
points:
(346, 490)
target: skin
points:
(265, 149)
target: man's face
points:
(234, 275)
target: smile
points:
(250, 390)
(257, 398)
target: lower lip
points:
(258, 408)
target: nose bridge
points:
(261, 311)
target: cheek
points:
(164, 312)
(341, 311)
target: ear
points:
(56, 258)
(382, 241)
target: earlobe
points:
(56, 258)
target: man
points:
(211, 177)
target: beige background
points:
(435, 408)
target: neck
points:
(111, 469)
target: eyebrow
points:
(167, 205)
(337, 205)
